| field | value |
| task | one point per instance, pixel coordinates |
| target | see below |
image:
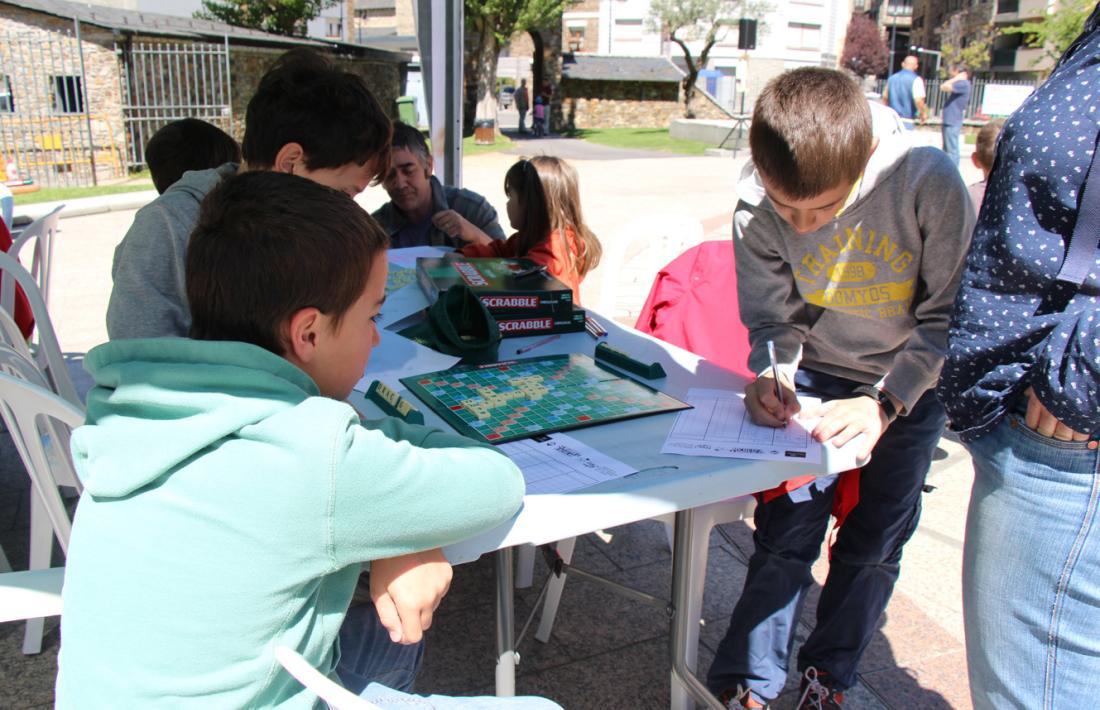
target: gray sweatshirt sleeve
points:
(945, 217)
(149, 297)
(771, 307)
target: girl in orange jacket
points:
(544, 207)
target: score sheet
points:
(719, 425)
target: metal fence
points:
(166, 81)
(935, 97)
(46, 121)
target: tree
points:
(966, 38)
(490, 24)
(1056, 32)
(865, 51)
(281, 17)
(706, 20)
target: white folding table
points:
(664, 484)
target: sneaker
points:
(740, 699)
(818, 692)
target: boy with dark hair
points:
(231, 496)
(848, 249)
(422, 211)
(187, 144)
(306, 118)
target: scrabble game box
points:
(510, 288)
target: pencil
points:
(595, 328)
(537, 343)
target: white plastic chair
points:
(39, 235)
(337, 697)
(47, 351)
(632, 258)
(27, 405)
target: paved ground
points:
(607, 652)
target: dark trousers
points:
(864, 566)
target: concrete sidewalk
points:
(607, 652)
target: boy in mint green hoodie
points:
(232, 496)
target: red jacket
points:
(550, 253)
(23, 316)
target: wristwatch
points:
(881, 397)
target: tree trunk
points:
(486, 59)
(688, 82)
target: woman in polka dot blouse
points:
(1023, 391)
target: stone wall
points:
(51, 144)
(248, 65)
(56, 103)
(620, 104)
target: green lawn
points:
(640, 139)
(140, 181)
(503, 142)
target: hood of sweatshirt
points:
(894, 142)
(199, 183)
(153, 408)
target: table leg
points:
(682, 553)
(506, 624)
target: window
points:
(801, 35)
(376, 13)
(7, 101)
(334, 28)
(628, 30)
(68, 94)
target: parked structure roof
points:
(150, 23)
(592, 67)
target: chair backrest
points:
(17, 362)
(48, 354)
(633, 256)
(12, 336)
(337, 697)
(23, 406)
(40, 236)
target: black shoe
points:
(818, 692)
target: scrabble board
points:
(513, 400)
(399, 276)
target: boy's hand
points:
(764, 407)
(407, 590)
(455, 225)
(844, 419)
(1041, 421)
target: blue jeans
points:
(951, 142)
(865, 560)
(1031, 571)
(393, 700)
(367, 655)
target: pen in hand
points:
(775, 377)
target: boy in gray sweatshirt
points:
(849, 244)
(307, 118)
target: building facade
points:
(793, 33)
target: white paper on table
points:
(557, 463)
(406, 257)
(719, 425)
(396, 357)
